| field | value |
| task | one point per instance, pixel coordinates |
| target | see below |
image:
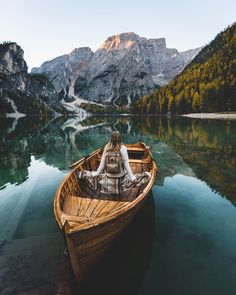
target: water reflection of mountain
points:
(14, 148)
(62, 141)
(56, 142)
(204, 148)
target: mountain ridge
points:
(121, 70)
(125, 66)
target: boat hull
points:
(86, 248)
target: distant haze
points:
(47, 29)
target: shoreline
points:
(211, 115)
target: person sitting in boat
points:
(114, 174)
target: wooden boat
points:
(90, 224)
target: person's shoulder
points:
(106, 147)
(123, 149)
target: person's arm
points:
(101, 165)
(126, 164)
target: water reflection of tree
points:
(14, 145)
(57, 142)
(209, 147)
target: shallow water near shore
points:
(182, 242)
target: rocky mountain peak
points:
(127, 40)
(12, 58)
(81, 51)
(120, 41)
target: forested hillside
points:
(207, 84)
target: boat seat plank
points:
(74, 220)
(135, 149)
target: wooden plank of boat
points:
(84, 206)
(92, 207)
(91, 223)
(110, 206)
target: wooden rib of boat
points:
(91, 223)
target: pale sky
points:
(46, 29)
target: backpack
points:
(113, 162)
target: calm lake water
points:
(182, 242)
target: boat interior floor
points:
(98, 204)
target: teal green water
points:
(182, 242)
